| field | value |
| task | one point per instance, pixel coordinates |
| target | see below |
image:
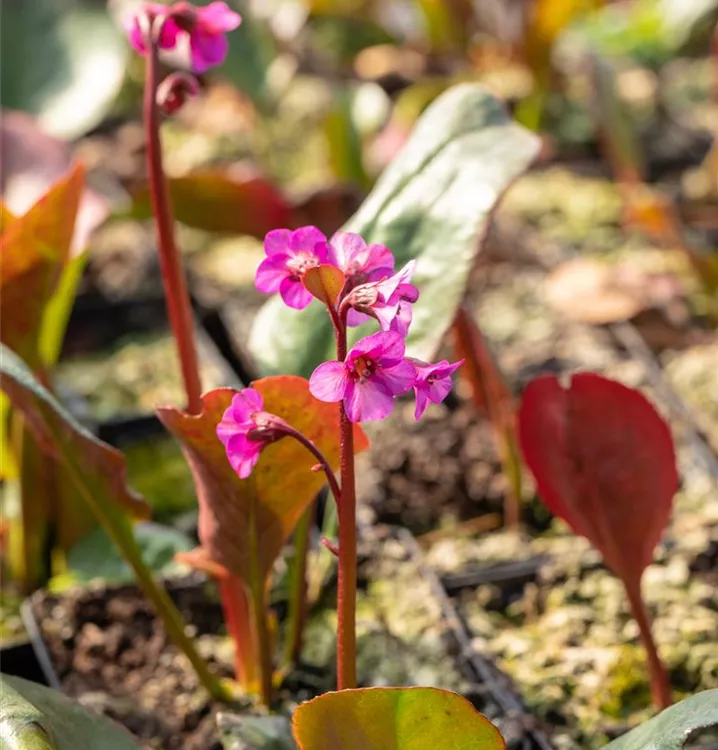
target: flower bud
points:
(175, 90)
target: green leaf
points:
(94, 557)
(432, 203)
(418, 718)
(672, 727)
(98, 472)
(34, 717)
(63, 61)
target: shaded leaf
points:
(604, 461)
(75, 68)
(432, 203)
(238, 515)
(418, 718)
(672, 727)
(34, 717)
(98, 472)
(218, 201)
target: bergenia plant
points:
(604, 462)
(355, 282)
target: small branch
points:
(179, 309)
(323, 464)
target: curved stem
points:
(309, 445)
(347, 575)
(179, 309)
(660, 685)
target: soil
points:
(112, 654)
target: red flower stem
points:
(237, 615)
(660, 685)
(347, 575)
(179, 310)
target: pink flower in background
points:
(168, 36)
(388, 300)
(289, 254)
(246, 429)
(374, 372)
(359, 261)
(433, 383)
(206, 28)
(207, 39)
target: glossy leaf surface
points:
(417, 718)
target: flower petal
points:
(368, 400)
(246, 403)
(207, 49)
(217, 17)
(422, 401)
(329, 381)
(270, 273)
(277, 242)
(243, 454)
(402, 321)
(345, 247)
(371, 346)
(392, 348)
(400, 378)
(294, 294)
(306, 238)
(378, 257)
(355, 318)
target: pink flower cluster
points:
(375, 371)
(205, 27)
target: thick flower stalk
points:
(357, 282)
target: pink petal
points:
(393, 348)
(329, 381)
(400, 378)
(243, 454)
(385, 314)
(378, 257)
(277, 241)
(355, 318)
(422, 401)
(246, 403)
(270, 273)
(135, 35)
(402, 321)
(439, 390)
(367, 401)
(345, 247)
(217, 17)
(372, 346)
(294, 294)
(207, 50)
(227, 428)
(307, 238)
(168, 35)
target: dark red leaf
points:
(604, 461)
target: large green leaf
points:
(672, 727)
(418, 718)
(98, 472)
(432, 203)
(33, 717)
(63, 61)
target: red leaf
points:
(604, 461)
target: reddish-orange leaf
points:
(324, 283)
(604, 461)
(33, 251)
(238, 515)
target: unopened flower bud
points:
(175, 90)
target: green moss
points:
(627, 690)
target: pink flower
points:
(433, 383)
(289, 254)
(168, 35)
(207, 40)
(246, 429)
(359, 261)
(388, 300)
(374, 372)
(206, 28)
